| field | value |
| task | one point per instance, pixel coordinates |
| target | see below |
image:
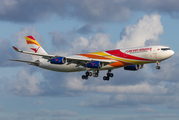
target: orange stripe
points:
(93, 56)
(116, 64)
(119, 64)
(30, 42)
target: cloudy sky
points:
(66, 27)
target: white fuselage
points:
(131, 56)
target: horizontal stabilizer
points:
(45, 56)
(28, 62)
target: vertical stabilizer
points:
(34, 47)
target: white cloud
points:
(147, 28)
(142, 88)
(128, 100)
(79, 44)
(24, 84)
(98, 42)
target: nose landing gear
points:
(158, 63)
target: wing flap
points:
(83, 61)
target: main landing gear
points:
(95, 74)
(86, 75)
(158, 63)
(109, 74)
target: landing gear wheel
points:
(108, 74)
(105, 78)
(158, 63)
(83, 77)
(90, 73)
(111, 75)
(157, 67)
(95, 74)
(87, 73)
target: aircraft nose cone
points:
(171, 53)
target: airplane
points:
(131, 59)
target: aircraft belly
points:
(62, 67)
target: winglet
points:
(15, 48)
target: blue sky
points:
(67, 27)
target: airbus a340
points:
(131, 59)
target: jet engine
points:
(95, 64)
(133, 67)
(58, 60)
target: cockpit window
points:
(165, 49)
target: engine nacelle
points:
(95, 64)
(58, 60)
(133, 67)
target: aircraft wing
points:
(72, 59)
(83, 61)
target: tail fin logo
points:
(35, 49)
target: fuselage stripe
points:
(122, 59)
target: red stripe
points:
(118, 53)
(31, 37)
